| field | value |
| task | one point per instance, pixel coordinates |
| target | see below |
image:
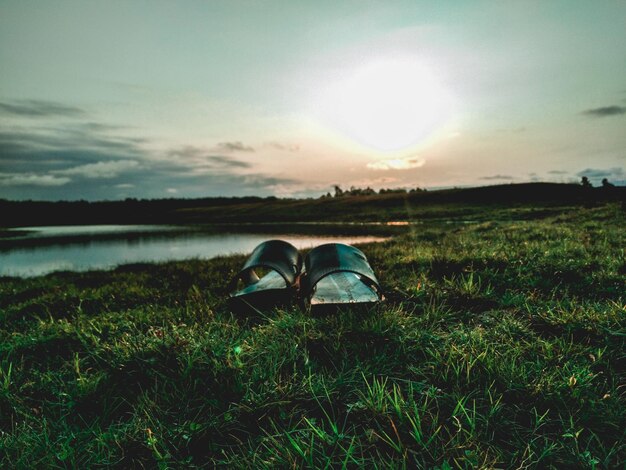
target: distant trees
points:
(606, 192)
(354, 191)
(392, 191)
(606, 184)
(587, 184)
(360, 192)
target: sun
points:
(386, 105)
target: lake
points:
(35, 251)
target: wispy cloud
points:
(267, 181)
(605, 111)
(557, 172)
(283, 146)
(31, 179)
(497, 177)
(601, 173)
(99, 126)
(25, 150)
(68, 137)
(39, 108)
(237, 146)
(78, 159)
(108, 169)
(203, 159)
(397, 164)
(225, 162)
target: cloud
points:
(85, 159)
(67, 160)
(225, 162)
(201, 159)
(103, 127)
(39, 108)
(557, 172)
(108, 169)
(40, 149)
(23, 141)
(267, 181)
(496, 177)
(397, 164)
(605, 111)
(31, 179)
(233, 147)
(601, 173)
(283, 147)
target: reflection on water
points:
(75, 230)
(100, 254)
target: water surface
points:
(77, 252)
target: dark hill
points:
(377, 207)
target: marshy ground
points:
(501, 344)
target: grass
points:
(500, 344)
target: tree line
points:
(354, 191)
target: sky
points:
(158, 99)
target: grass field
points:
(501, 344)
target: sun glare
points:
(386, 105)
